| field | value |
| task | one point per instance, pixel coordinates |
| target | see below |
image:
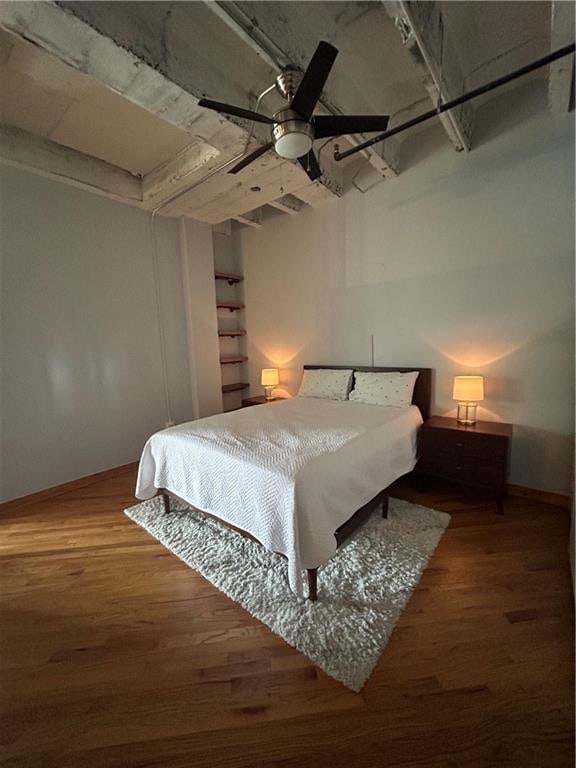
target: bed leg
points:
(385, 506)
(312, 584)
(166, 502)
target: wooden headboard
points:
(422, 390)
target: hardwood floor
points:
(114, 654)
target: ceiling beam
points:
(223, 228)
(422, 28)
(288, 204)
(561, 78)
(196, 160)
(227, 195)
(383, 158)
(314, 195)
(21, 149)
(250, 219)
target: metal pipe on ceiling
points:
(554, 56)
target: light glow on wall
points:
(471, 356)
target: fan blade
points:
(310, 165)
(313, 81)
(340, 125)
(228, 109)
(251, 157)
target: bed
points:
(297, 475)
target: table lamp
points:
(269, 380)
(468, 390)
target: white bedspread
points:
(290, 472)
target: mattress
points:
(289, 472)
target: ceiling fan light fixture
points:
(293, 145)
(293, 137)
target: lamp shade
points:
(468, 389)
(269, 377)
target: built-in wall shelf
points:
(233, 359)
(230, 277)
(231, 341)
(233, 332)
(234, 387)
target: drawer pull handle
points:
(459, 445)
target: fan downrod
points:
(287, 82)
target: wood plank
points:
(236, 387)
(109, 643)
(233, 359)
(73, 485)
(233, 332)
(230, 277)
(546, 497)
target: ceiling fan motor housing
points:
(293, 136)
(295, 127)
(287, 82)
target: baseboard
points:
(547, 497)
(58, 490)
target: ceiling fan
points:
(294, 128)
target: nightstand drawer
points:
(466, 469)
(463, 444)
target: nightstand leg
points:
(312, 584)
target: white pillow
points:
(330, 384)
(393, 389)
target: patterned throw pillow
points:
(393, 389)
(332, 385)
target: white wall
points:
(464, 263)
(81, 376)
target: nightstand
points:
(475, 456)
(258, 400)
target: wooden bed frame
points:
(422, 398)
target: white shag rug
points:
(362, 590)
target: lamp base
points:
(269, 393)
(467, 413)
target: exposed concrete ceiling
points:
(42, 95)
(491, 38)
(120, 81)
